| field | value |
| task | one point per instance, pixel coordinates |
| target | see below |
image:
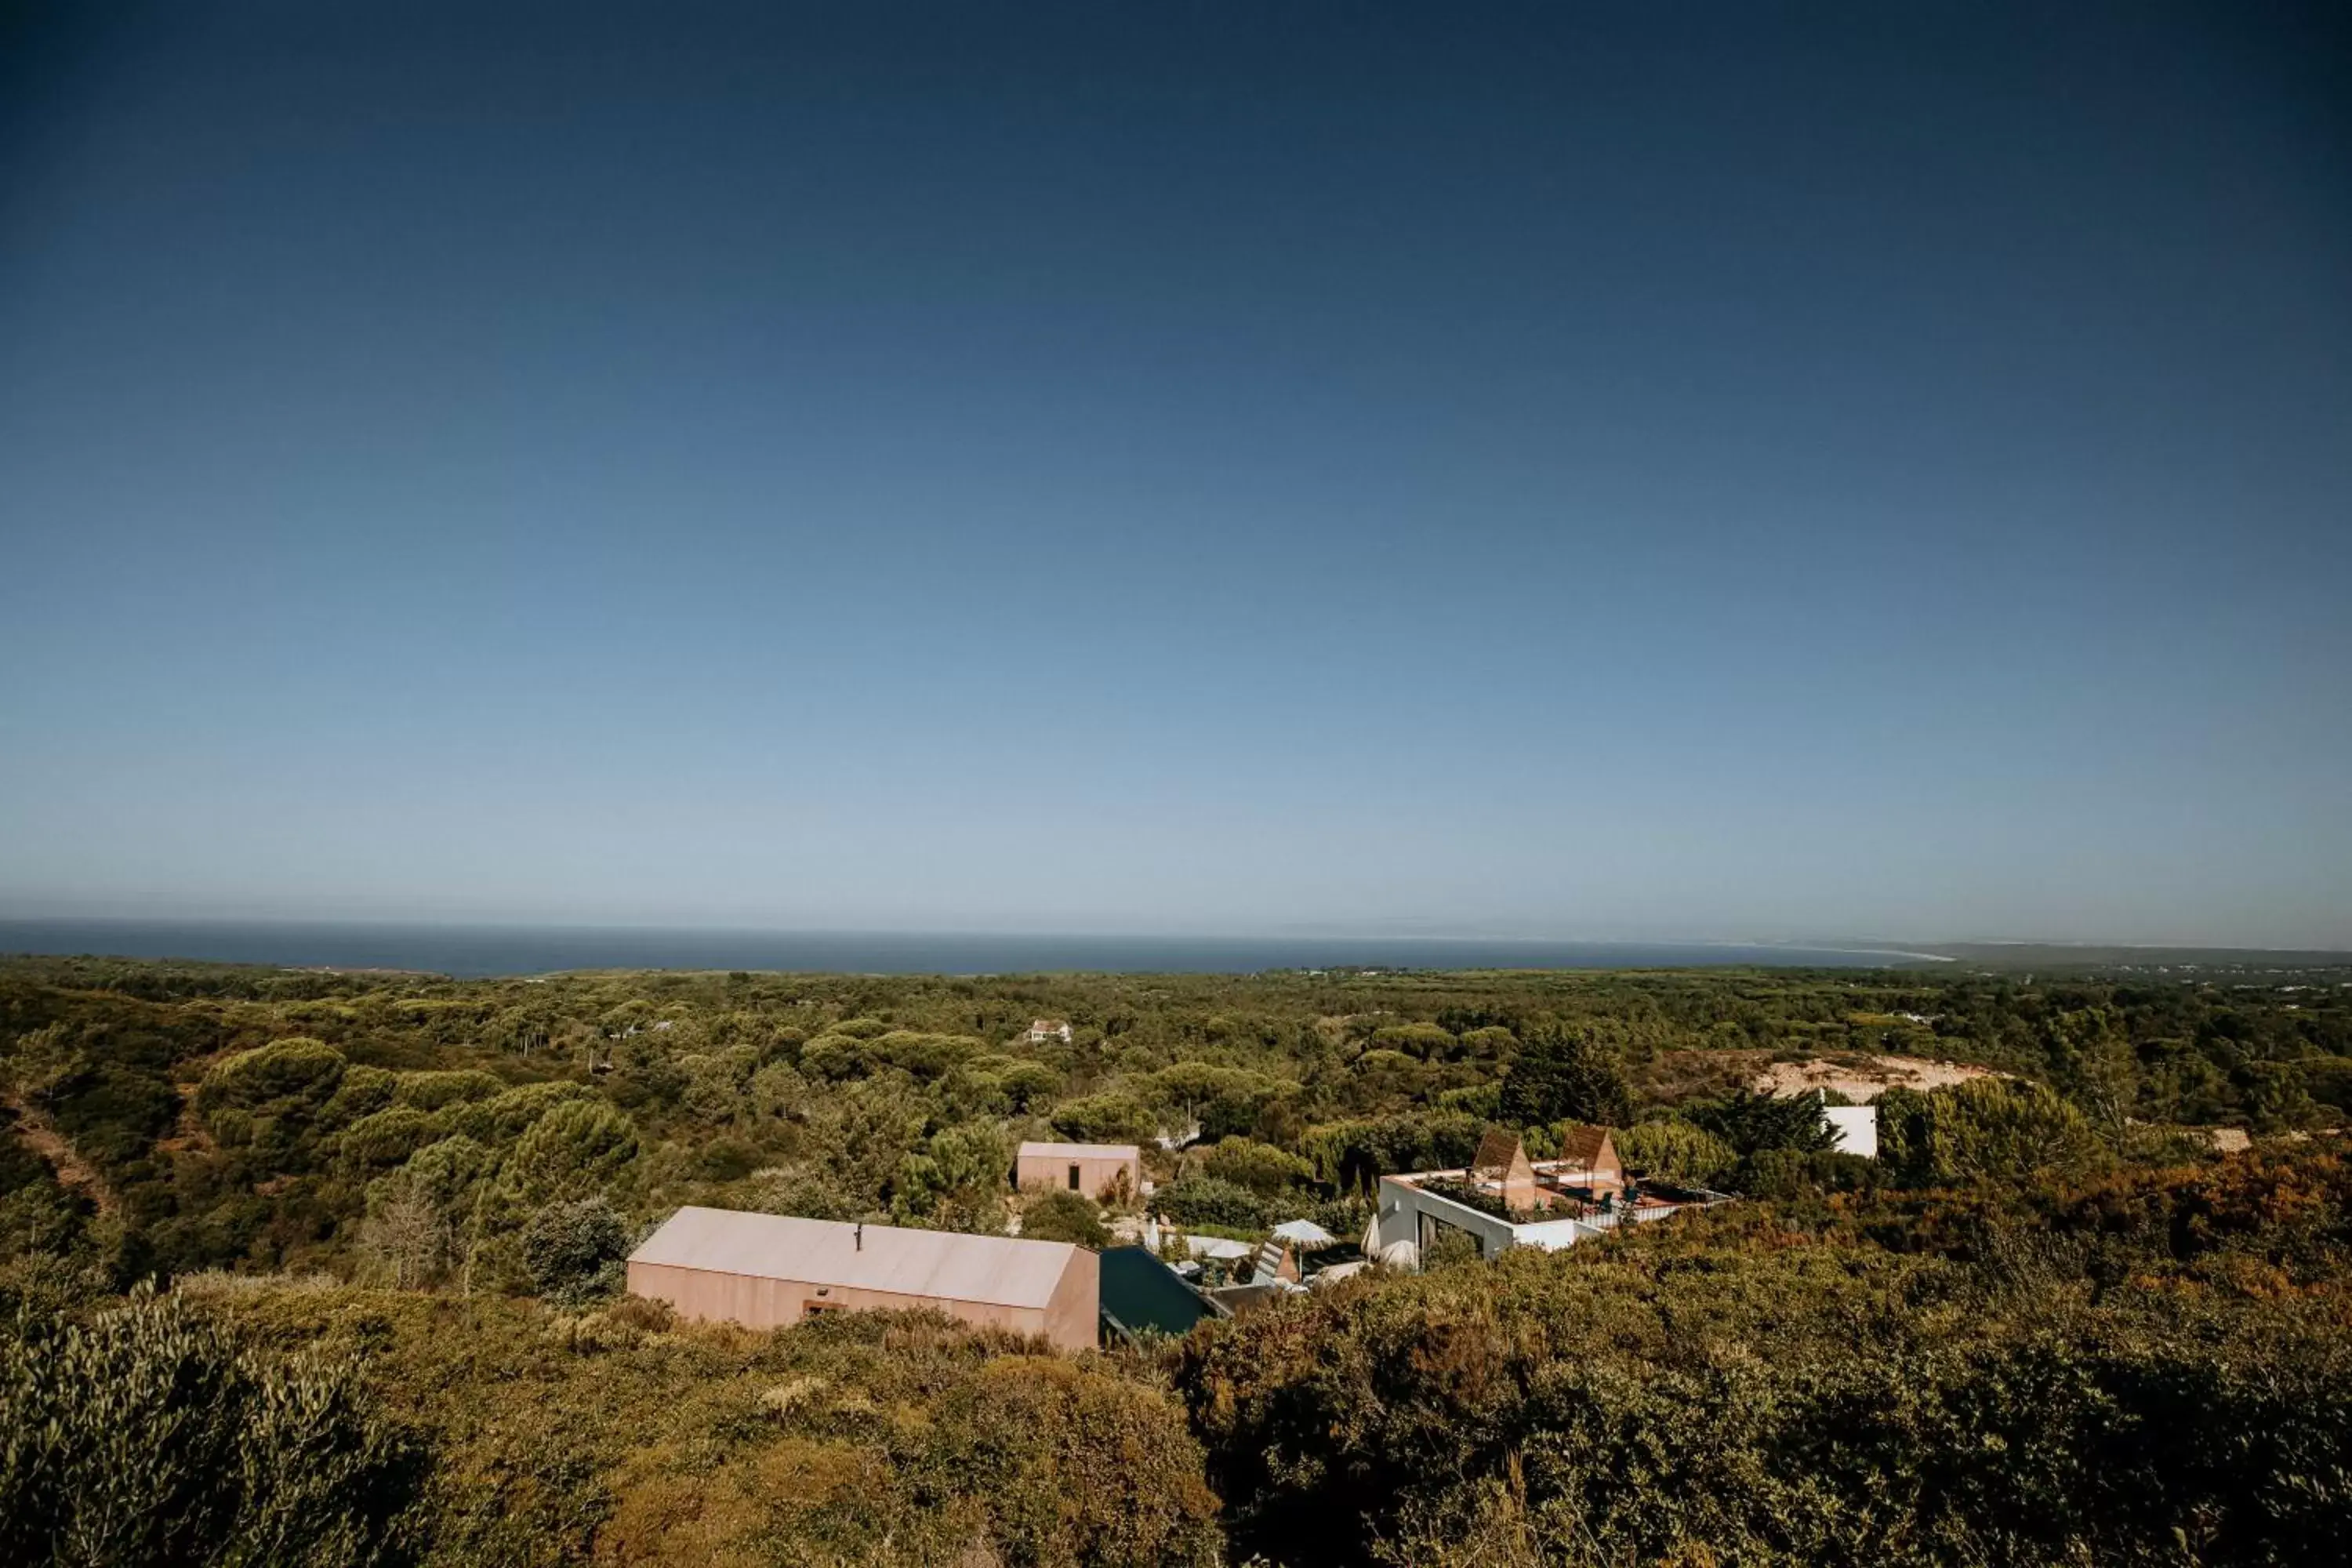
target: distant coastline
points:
(1903, 954)
(473, 952)
(477, 951)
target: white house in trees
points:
(1855, 1128)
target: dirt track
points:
(74, 1173)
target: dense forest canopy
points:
(386, 1211)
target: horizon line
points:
(1899, 947)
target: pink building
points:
(767, 1272)
(1097, 1170)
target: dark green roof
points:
(1139, 1293)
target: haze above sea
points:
(471, 952)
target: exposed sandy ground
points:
(73, 1173)
(1863, 1082)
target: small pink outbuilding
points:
(1094, 1169)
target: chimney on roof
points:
(859, 1236)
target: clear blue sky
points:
(1576, 470)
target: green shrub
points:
(1262, 1168)
(112, 1113)
(1225, 1100)
(446, 1171)
(432, 1090)
(383, 1139)
(362, 1092)
(1353, 1155)
(834, 1056)
(271, 1101)
(1061, 1215)
(956, 1180)
(574, 1252)
(925, 1055)
(1986, 1130)
(1450, 1248)
(1103, 1118)
(289, 1077)
(1673, 1150)
(1424, 1041)
(1070, 1466)
(509, 1114)
(1565, 1074)
(1205, 1200)
(575, 1149)
(1345, 1218)
(1787, 1174)
(1749, 1122)
(1489, 1042)
(725, 1159)
(806, 1193)
(1023, 1083)
(146, 1437)
(1712, 1389)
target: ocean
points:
(475, 951)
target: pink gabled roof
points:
(1583, 1145)
(1499, 1149)
(1034, 1151)
(941, 1265)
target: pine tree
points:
(1565, 1074)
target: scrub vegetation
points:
(319, 1268)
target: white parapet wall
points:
(1551, 1235)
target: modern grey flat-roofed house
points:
(1549, 1203)
(766, 1272)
